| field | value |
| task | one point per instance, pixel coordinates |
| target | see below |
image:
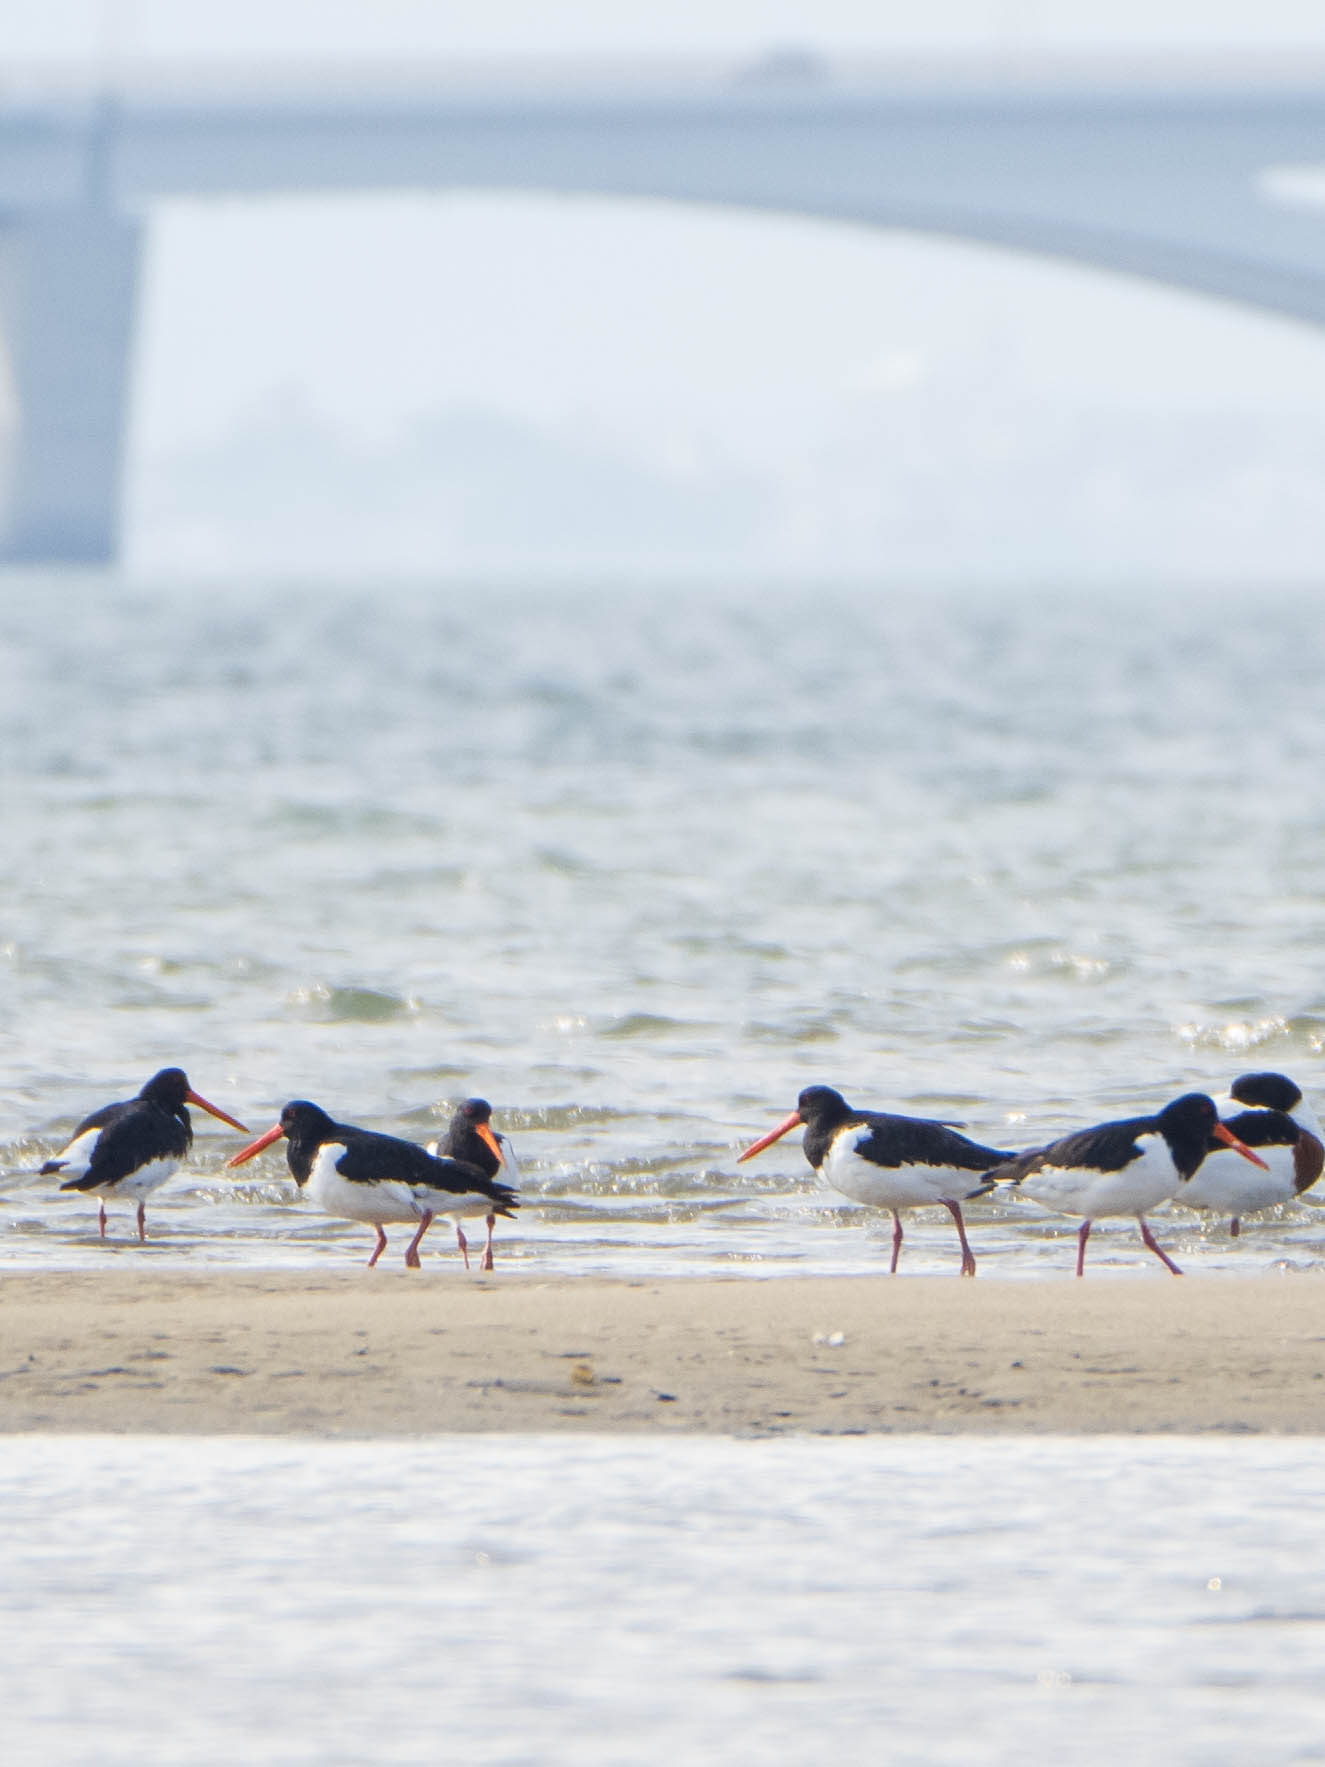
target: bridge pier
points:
(1191, 184)
(68, 287)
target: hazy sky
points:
(301, 28)
(789, 363)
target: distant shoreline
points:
(386, 1353)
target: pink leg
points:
(1234, 1228)
(142, 1223)
(897, 1243)
(968, 1256)
(101, 1221)
(1082, 1236)
(412, 1252)
(485, 1262)
(1155, 1246)
(379, 1248)
(462, 1242)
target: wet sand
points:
(387, 1353)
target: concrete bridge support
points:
(68, 290)
(1190, 185)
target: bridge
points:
(1203, 184)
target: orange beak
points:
(485, 1134)
(794, 1121)
(256, 1147)
(1222, 1132)
(213, 1111)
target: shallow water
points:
(522, 1599)
(637, 866)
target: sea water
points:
(637, 865)
(589, 1600)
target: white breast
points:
(142, 1182)
(382, 1200)
(891, 1187)
(1227, 1182)
(1305, 1118)
(1079, 1190)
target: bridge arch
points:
(1166, 184)
(821, 415)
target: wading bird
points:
(363, 1176)
(1122, 1168)
(889, 1162)
(1269, 1113)
(131, 1148)
(470, 1137)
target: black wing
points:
(370, 1158)
(98, 1120)
(911, 1141)
(1259, 1129)
(1267, 1128)
(1107, 1148)
(109, 1113)
(135, 1134)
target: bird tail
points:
(505, 1200)
(83, 1181)
(1009, 1172)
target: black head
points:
(1188, 1125)
(305, 1127)
(1271, 1092)
(1192, 1115)
(170, 1089)
(473, 1111)
(1261, 1128)
(821, 1106)
(303, 1121)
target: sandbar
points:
(391, 1353)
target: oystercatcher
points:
(130, 1148)
(1269, 1113)
(363, 1176)
(1122, 1168)
(889, 1162)
(470, 1137)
